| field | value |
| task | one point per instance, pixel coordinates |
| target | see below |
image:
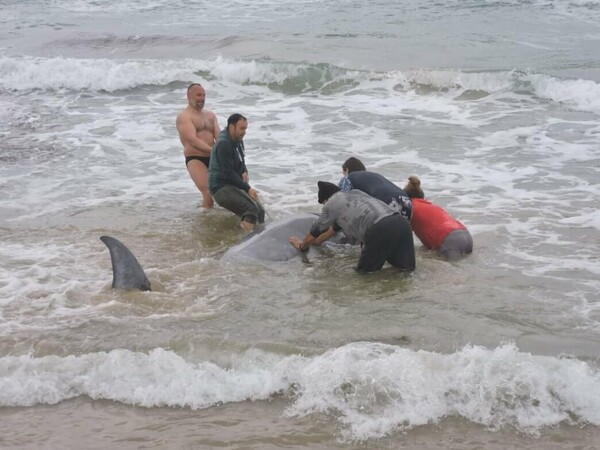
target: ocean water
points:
(494, 104)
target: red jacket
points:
(431, 223)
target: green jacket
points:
(227, 164)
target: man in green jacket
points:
(228, 175)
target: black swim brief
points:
(203, 159)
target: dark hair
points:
(353, 164)
(234, 119)
(326, 190)
(192, 85)
(413, 188)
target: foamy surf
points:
(370, 388)
(31, 73)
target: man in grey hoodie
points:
(384, 234)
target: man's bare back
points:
(198, 129)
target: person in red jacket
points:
(434, 227)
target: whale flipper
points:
(127, 272)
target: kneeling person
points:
(384, 234)
(376, 185)
(228, 175)
(435, 227)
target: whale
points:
(268, 243)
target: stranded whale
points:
(268, 243)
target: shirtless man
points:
(198, 129)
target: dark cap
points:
(326, 190)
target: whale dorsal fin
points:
(127, 271)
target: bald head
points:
(191, 86)
(196, 96)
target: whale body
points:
(267, 243)
(270, 242)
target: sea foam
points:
(370, 388)
(30, 73)
(579, 94)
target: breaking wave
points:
(33, 73)
(372, 389)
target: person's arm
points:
(245, 175)
(301, 244)
(216, 128)
(322, 229)
(328, 234)
(226, 155)
(187, 135)
(309, 239)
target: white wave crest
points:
(484, 81)
(583, 95)
(376, 389)
(373, 389)
(159, 378)
(28, 73)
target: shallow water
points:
(251, 425)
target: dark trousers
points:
(456, 244)
(239, 202)
(390, 240)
